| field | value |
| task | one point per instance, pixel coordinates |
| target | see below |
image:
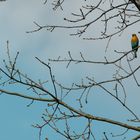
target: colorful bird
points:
(134, 44)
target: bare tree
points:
(59, 111)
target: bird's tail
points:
(135, 54)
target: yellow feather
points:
(134, 38)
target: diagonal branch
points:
(80, 113)
(26, 97)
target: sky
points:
(17, 18)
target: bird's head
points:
(134, 35)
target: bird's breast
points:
(134, 39)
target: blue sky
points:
(17, 17)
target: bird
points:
(134, 44)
